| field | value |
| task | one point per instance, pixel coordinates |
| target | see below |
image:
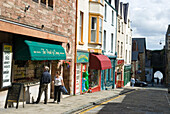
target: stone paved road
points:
(143, 101)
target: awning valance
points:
(99, 62)
(31, 50)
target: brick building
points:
(49, 23)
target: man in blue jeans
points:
(44, 81)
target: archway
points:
(158, 77)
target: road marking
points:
(104, 103)
(167, 99)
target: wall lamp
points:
(26, 8)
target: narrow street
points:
(142, 101)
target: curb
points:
(89, 105)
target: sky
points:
(150, 19)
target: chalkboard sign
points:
(14, 93)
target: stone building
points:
(30, 27)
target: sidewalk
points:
(68, 104)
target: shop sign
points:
(82, 57)
(6, 65)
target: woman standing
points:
(58, 82)
(133, 81)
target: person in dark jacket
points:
(44, 81)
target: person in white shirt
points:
(58, 82)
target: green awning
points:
(31, 50)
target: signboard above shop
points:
(82, 57)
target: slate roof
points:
(135, 55)
(141, 44)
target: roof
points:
(135, 55)
(141, 44)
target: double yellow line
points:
(104, 102)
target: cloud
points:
(150, 19)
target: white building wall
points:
(83, 6)
(110, 29)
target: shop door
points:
(78, 78)
(102, 80)
(109, 79)
(66, 76)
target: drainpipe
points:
(75, 57)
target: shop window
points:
(95, 33)
(93, 78)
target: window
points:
(94, 78)
(36, 1)
(112, 17)
(110, 1)
(121, 53)
(128, 23)
(105, 13)
(50, 3)
(112, 43)
(118, 25)
(104, 41)
(81, 28)
(118, 48)
(100, 30)
(122, 27)
(93, 29)
(126, 57)
(43, 1)
(130, 41)
(126, 39)
(129, 57)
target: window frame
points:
(98, 17)
(82, 27)
(112, 18)
(112, 39)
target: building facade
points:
(40, 27)
(109, 43)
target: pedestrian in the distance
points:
(58, 83)
(44, 81)
(133, 81)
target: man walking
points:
(44, 81)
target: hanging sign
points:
(6, 65)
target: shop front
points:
(24, 61)
(81, 81)
(98, 65)
(108, 75)
(127, 74)
(119, 74)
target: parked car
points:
(140, 83)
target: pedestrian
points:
(133, 81)
(58, 83)
(44, 81)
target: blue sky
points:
(150, 19)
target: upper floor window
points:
(95, 35)
(122, 27)
(118, 48)
(50, 3)
(100, 30)
(112, 43)
(112, 17)
(43, 1)
(110, 1)
(93, 29)
(104, 41)
(105, 12)
(126, 39)
(118, 25)
(121, 53)
(81, 28)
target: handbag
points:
(64, 90)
